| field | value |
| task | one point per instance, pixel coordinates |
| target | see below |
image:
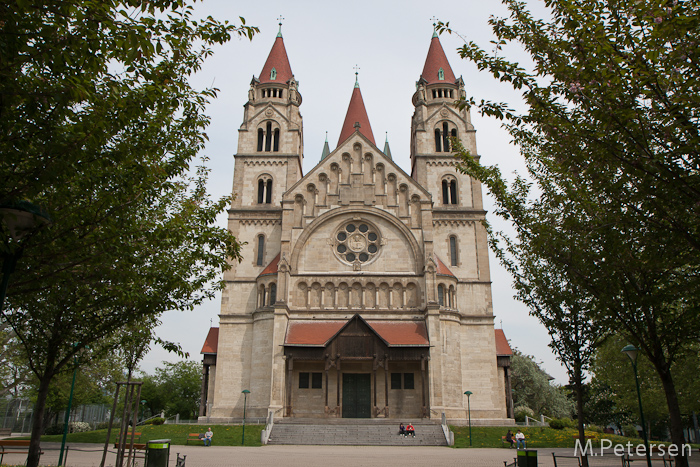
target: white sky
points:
(389, 41)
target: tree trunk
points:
(38, 421)
(674, 414)
(578, 388)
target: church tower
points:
(267, 163)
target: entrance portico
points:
(356, 368)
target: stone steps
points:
(357, 432)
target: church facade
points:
(364, 291)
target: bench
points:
(137, 437)
(193, 437)
(14, 446)
(503, 441)
(137, 446)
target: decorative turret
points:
(326, 148)
(356, 119)
(387, 151)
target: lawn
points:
(537, 437)
(224, 435)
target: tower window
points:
(273, 74)
(445, 137)
(438, 138)
(445, 192)
(441, 74)
(261, 137)
(265, 190)
(276, 140)
(441, 295)
(268, 139)
(453, 192)
(453, 251)
(449, 191)
(261, 252)
(273, 294)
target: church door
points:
(357, 397)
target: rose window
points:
(357, 241)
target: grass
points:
(537, 437)
(224, 435)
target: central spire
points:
(356, 117)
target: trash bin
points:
(157, 453)
(527, 458)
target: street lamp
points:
(20, 218)
(469, 411)
(245, 400)
(143, 410)
(632, 352)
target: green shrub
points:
(561, 423)
(521, 412)
(630, 431)
(78, 427)
(54, 430)
(155, 421)
(594, 428)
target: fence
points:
(17, 415)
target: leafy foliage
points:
(99, 126)
(174, 389)
(532, 389)
(610, 139)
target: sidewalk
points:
(89, 455)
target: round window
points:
(356, 242)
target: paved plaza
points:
(89, 455)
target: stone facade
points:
(364, 291)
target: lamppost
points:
(70, 403)
(632, 352)
(469, 411)
(20, 218)
(245, 400)
(143, 409)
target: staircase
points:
(356, 432)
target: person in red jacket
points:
(410, 430)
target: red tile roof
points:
(212, 341)
(356, 114)
(401, 333)
(441, 268)
(279, 61)
(435, 60)
(318, 333)
(502, 347)
(314, 333)
(272, 267)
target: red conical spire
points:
(435, 61)
(278, 61)
(356, 114)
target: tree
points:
(99, 126)
(175, 388)
(14, 375)
(531, 388)
(610, 138)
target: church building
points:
(364, 291)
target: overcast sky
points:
(388, 41)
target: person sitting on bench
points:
(410, 430)
(509, 439)
(402, 429)
(207, 437)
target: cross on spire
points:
(280, 19)
(357, 69)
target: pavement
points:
(90, 455)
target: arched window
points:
(276, 141)
(438, 142)
(262, 296)
(261, 190)
(261, 250)
(261, 137)
(273, 294)
(441, 74)
(268, 139)
(453, 250)
(441, 295)
(268, 191)
(449, 191)
(445, 138)
(452, 297)
(273, 74)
